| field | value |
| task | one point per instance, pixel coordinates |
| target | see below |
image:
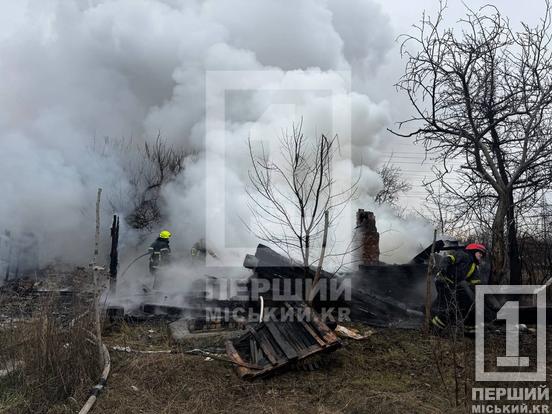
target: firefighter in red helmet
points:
(455, 282)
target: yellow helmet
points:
(165, 234)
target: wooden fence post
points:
(97, 319)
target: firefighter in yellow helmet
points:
(160, 251)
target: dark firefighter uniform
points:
(455, 283)
(199, 251)
(159, 251)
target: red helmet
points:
(476, 247)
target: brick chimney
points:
(367, 237)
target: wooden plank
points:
(290, 334)
(281, 341)
(309, 337)
(326, 333)
(236, 357)
(309, 328)
(253, 350)
(301, 338)
(247, 371)
(243, 371)
(265, 346)
(317, 350)
(313, 333)
(271, 342)
(314, 349)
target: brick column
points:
(367, 237)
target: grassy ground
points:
(392, 371)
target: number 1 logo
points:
(510, 313)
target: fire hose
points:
(131, 263)
(195, 351)
(95, 392)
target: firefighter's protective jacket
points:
(160, 245)
(457, 267)
(159, 253)
(200, 249)
(455, 280)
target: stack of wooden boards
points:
(275, 345)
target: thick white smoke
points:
(76, 72)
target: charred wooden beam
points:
(114, 254)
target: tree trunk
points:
(306, 257)
(513, 245)
(499, 264)
(321, 261)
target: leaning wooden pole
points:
(429, 282)
(96, 288)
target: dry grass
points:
(149, 336)
(390, 372)
(393, 371)
(56, 358)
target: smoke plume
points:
(74, 73)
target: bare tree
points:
(159, 164)
(393, 184)
(459, 206)
(148, 166)
(483, 95)
(293, 195)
